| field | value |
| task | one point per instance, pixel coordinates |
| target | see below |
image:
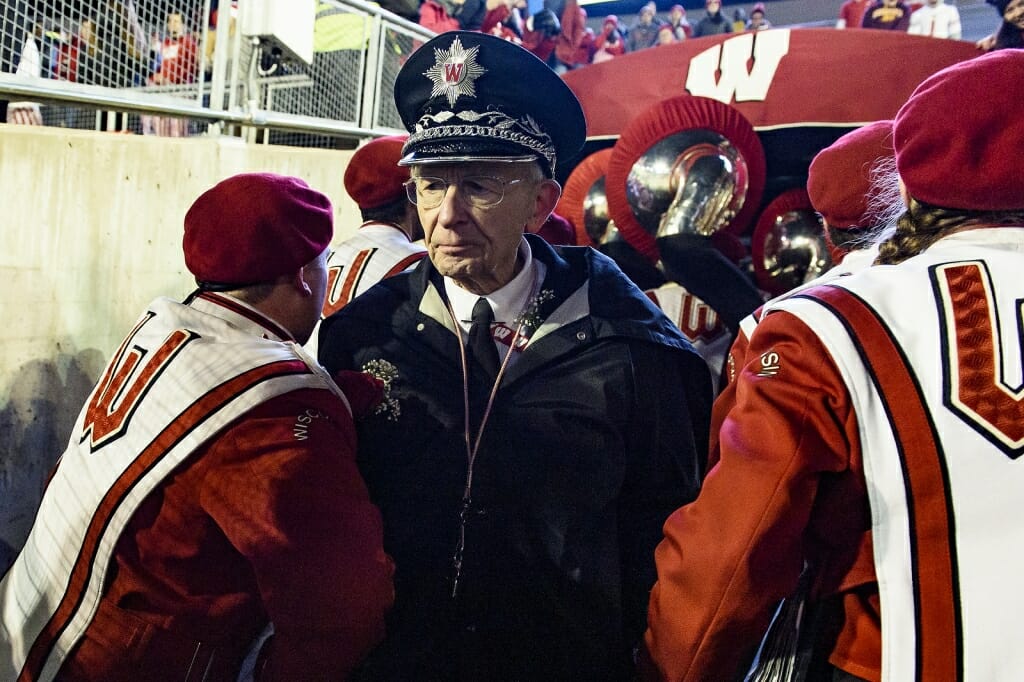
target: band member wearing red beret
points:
(388, 241)
(876, 434)
(845, 184)
(210, 488)
(545, 415)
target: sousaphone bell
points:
(584, 202)
(682, 172)
(789, 246)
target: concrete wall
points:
(91, 233)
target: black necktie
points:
(481, 343)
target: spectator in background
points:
(610, 43)
(507, 13)
(666, 35)
(452, 15)
(887, 15)
(469, 13)
(713, 22)
(48, 38)
(575, 44)
(435, 15)
(179, 64)
(936, 19)
(29, 67)
(231, 23)
(677, 20)
(1011, 31)
(540, 34)
(77, 56)
(851, 14)
(739, 20)
(644, 32)
(504, 32)
(178, 54)
(758, 20)
(122, 46)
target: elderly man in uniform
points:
(210, 484)
(543, 416)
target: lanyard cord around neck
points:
(473, 444)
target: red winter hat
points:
(557, 231)
(254, 227)
(958, 139)
(839, 178)
(373, 177)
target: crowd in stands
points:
(567, 42)
(113, 49)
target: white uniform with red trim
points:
(377, 251)
(699, 323)
(931, 354)
(182, 374)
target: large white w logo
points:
(721, 72)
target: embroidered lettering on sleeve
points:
(770, 364)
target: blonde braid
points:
(921, 225)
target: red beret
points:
(254, 227)
(557, 231)
(958, 139)
(373, 177)
(839, 178)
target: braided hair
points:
(921, 225)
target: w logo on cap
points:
(455, 71)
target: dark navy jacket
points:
(597, 434)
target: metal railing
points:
(150, 67)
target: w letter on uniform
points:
(125, 382)
(975, 386)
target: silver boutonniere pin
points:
(530, 317)
(386, 373)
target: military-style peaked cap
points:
(469, 96)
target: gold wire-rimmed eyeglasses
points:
(481, 191)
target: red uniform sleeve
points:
(286, 492)
(728, 558)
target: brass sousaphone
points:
(789, 246)
(687, 166)
(685, 178)
(584, 203)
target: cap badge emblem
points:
(454, 72)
